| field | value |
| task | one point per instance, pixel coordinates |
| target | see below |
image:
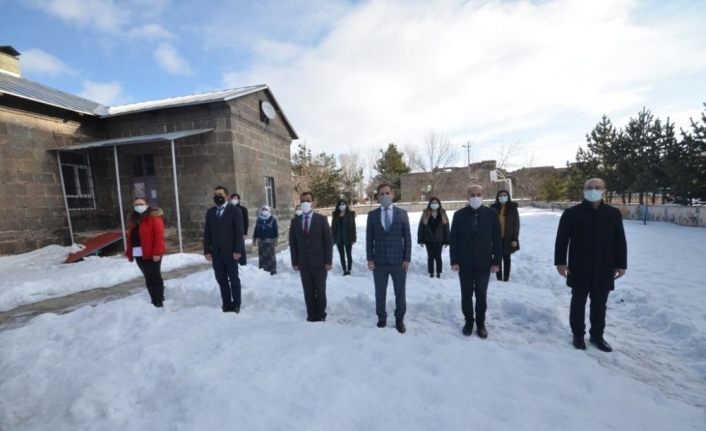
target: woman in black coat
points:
(433, 233)
(509, 230)
(344, 235)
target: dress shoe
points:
(482, 333)
(382, 323)
(431, 275)
(579, 343)
(399, 325)
(468, 329)
(236, 309)
(601, 344)
(438, 275)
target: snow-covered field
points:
(125, 365)
(41, 274)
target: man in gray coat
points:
(311, 250)
(475, 251)
(388, 245)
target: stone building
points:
(58, 165)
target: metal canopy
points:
(143, 139)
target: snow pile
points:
(126, 365)
(41, 274)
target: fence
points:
(681, 215)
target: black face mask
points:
(219, 200)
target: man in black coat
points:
(593, 234)
(223, 245)
(311, 250)
(475, 251)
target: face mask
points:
(434, 206)
(235, 201)
(306, 207)
(385, 200)
(475, 202)
(593, 195)
(502, 199)
(298, 212)
(342, 207)
(265, 214)
(140, 208)
(219, 200)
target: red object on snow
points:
(94, 244)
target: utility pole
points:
(468, 157)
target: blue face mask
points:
(593, 195)
(385, 200)
(502, 199)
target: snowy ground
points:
(124, 365)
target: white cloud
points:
(107, 93)
(102, 15)
(37, 62)
(150, 32)
(489, 72)
(170, 60)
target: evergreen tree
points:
(390, 168)
(553, 188)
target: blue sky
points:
(534, 76)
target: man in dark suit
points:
(223, 245)
(311, 249)
(593, 234)
(476, 249)
(388, 245)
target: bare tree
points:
(351, 174)
(507, 152)
(434, 155)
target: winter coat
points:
(595, 239)
(266, 229)
(151, 230)
(349, 221)
(424, 233)
(512, 226)
(475, 248)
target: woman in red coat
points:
(145, 245)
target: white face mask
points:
(140, 208)
(342, 207)
(593, 195)
(265, 214)
(298, 212)
(306, 207)
(502, 199)
(434, 206)
(475, 202)
(385, 200)
(235, 201)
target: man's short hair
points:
(225, 190)
(384, 185)
(595, 179)
(235, 195)
(306, 193)
(474, 186)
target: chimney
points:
(9, 60)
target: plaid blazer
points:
(388, 247)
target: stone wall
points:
(32, 213)
(450, 184)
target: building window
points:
(78, 181)
(270, 192)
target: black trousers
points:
(226, 270)
(314, 285)
(153, 279)
(381, 276)
(474, 282)
(577, 314)
(504, 273)
(344, 252)
(433, 256)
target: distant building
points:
(237, 138)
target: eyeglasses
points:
(593, 188)
(474, 195)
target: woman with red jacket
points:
(145, 244)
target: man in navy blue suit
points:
(388, 246)
(223, 245)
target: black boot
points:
(438, 275)
(600, 343)
(382, 323)
(431, 275)
(399, 325)
(468, 328)
(482, 333)
(579, 343)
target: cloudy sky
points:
(532, 75)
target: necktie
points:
(388, 222)
(220, 212)
(306, 225)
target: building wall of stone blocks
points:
(32, 212)
(450, 185)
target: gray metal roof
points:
(26, 89)
(142, 139)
